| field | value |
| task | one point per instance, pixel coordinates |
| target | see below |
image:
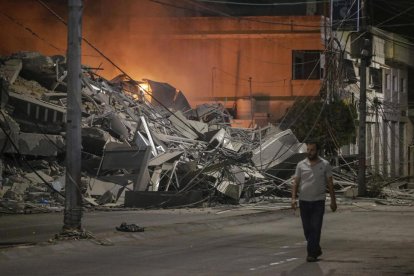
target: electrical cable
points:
(388, 122)
(27, 163)
(121, 70)
(388, 125)
(249, 18)
(309, 132)
(31, 32)
(263, 4)
(329, 64)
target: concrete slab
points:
(11, 69)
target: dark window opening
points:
(306, 65)
(348, 71)
(402, 83)
(375, 79)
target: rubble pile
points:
(396, 191)
(142, 143)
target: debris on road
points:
(124, 227)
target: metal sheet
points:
(120, 156)
(165, 157)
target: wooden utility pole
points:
(362, 128)
(376, 138)
(73, 201)
(365, 59)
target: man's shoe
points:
(311, 259)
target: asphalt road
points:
(37, 228)
(365, 240)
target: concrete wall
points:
(225, 59)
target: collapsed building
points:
(142, 143)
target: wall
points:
(389, 130)
(214, 58)
(208, 58)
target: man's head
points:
(312, 149)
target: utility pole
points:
(365, 60)
(376, 138)
(362, 128)
(73, 200)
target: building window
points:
(375, 81)
(394, 83)
(387, 81)
(402, 83)
(348, 71)
(306, 65)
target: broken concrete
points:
(94, 140)
(39, 144)
(140, 147)
(11, 70)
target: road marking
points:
(296, 245)
(275, 263)
(279, 253)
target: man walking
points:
(312, 176)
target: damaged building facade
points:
(389, 129)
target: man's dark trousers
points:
(312, 213)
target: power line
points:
(15, 21)
(172, 5)
(29, 30)
(329, 65)
(398, 25)
(16, 148)
(218, 12)
(121, 70)
(395, 16)
(386, 36)
(263, 4)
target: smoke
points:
(137, 36)
(27, 26)
(133, 34)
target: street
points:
(356, 240)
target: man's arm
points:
(332, 193)
(295, 191)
